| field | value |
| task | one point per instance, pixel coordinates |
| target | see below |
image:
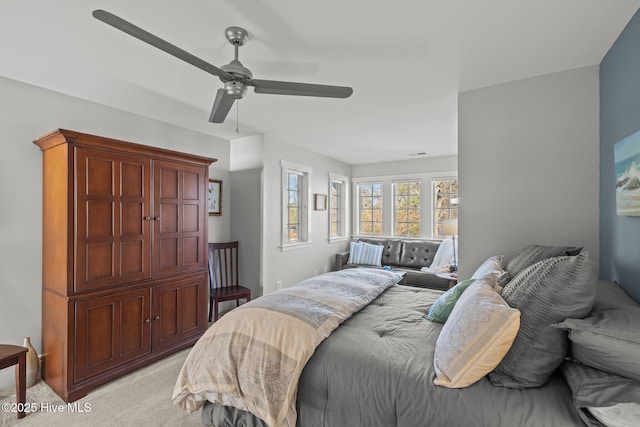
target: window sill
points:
(295, 246)
(339, 239)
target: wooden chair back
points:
(223, 265)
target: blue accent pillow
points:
(441, 309)
(362, 253)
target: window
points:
(294, 206)
(404, 205)
(370, 208)
(406, 208)
(295, 196)
(337, 207)
(445, 194)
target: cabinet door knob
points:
(157, 218)
(156, 318)
(147, 320)
(147, 218)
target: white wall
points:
(246, 226)
(293, 266)
(528, 166)
(247, 152)
(27, 112)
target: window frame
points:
(304, 172)
(358, 201)
(343, 208)
(395, 209)
(426, 202)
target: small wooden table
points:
(449, 276)
(15, 355)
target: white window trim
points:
(426, 209)
(304, 242)
(343, 221)
(356, 203)
(393, 208)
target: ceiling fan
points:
(235, 76)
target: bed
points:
(373, 366)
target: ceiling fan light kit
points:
(235, 76)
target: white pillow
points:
(492, 266)
(476, 337)
(362, 253)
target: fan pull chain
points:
(237, 114)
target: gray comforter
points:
(376, 369)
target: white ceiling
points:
(406, 60)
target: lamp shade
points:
(450, 226)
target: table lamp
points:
(450, 227)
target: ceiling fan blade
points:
(155, 41)
(221, 106)
(301, 89)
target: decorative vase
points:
(33, 364)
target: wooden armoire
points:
(124, 257)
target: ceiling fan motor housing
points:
(235, 88)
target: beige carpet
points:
(141, 398)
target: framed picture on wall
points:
(627, 167)
(215, 197)
(320, 202)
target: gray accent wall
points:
(619, 118)
(528, 166)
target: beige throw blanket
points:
(252, 357)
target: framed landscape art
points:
(626, 154)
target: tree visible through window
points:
(294, 184)
(370, 200)
(406, 215)
(445, 190)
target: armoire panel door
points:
(180, 202)
(179, 311)
(111, 330)
(113, 219)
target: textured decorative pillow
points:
(608, 340)
(612, 399)
(545, 293)
(609, 296)
(441, 309)
(535, 253)
(362, 253)
(492, 265)
(476, 337)
(391, 252)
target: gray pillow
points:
(610, 296)
(594, 390)
(535, 253)
(545, 293)
(607, 340)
